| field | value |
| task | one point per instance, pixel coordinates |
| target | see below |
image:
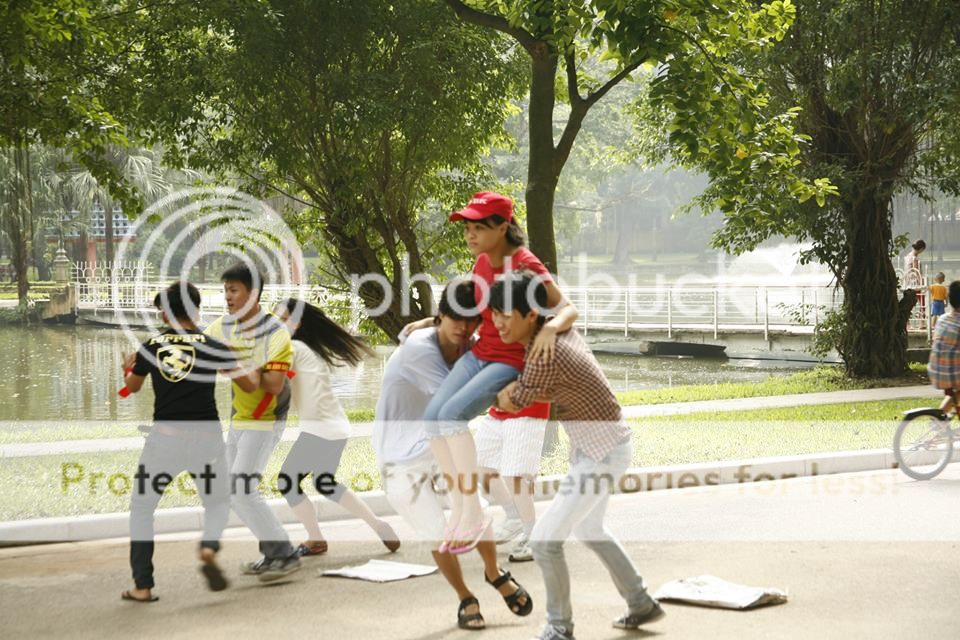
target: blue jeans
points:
(469, 389)
(579, 508)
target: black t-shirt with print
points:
(183, 366)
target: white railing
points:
(715, 310)
(705, 309)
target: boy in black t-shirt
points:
(182, 364)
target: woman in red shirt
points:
(471, 388)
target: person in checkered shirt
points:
(600, 451)
(944, 365)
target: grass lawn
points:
(34, 487)
(86, 431)
(822, 378)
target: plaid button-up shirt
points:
(580, 393)
(944, 365)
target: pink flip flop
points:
(448, 532)
(475, 535)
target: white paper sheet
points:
(382, 571)
(711, 591)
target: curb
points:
(636, 480)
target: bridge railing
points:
(709, 309)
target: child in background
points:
(938, 298)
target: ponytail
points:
(324, 336)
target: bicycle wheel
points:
(923, 445)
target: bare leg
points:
(463, 453)
(307, 516)
(352, 503)
(441, 453)
(495, 487)
(449, 566)
(523, 500)
(491, 570)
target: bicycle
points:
(923, 442)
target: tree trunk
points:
(625, 224)
(542, 174)
(354, 253)
(108, 231)
(871, 344)
(18, 222)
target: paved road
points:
(870, 555)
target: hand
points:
(544, 346)
(504, 403)
(423, 323)
(129, 360)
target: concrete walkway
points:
(793, 400)
(862, 556)
(639, 411)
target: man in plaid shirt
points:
(600, 450)
(944, 365)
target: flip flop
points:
(448, 532)
(214, 575)
(474, 535)
(315, 549)
(126, 595)
(388, 537)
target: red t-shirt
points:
(490, 347)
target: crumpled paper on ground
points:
(711, 591)
(382, 571)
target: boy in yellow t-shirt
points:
(938, 298)
(261, 398)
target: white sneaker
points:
(521, 551)
(508, 530)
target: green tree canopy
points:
(879, 87)
(697, 46)
(373, 117)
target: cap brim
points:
(473, 214)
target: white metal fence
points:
(705, 309)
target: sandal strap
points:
(516, 595)
(466, 602)
(504, 578)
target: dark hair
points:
(954, 294)
(515, 236)
(171, 301)
(517, 291)
(328, 339)
(250, 278)
(919, 245)
(940, 277)
(463, 294)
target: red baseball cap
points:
(483, 205)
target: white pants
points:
(409, 489)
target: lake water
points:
(73, 373)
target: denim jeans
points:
(202, 456)
(248, 451)
(579, 508)
(469, 389)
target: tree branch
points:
(611, 83)
(572, 86)
(479, 18)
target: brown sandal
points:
(317, 548)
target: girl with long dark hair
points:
(318, 344)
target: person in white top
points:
(318, 343)
(912, 274)
(412, 376)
